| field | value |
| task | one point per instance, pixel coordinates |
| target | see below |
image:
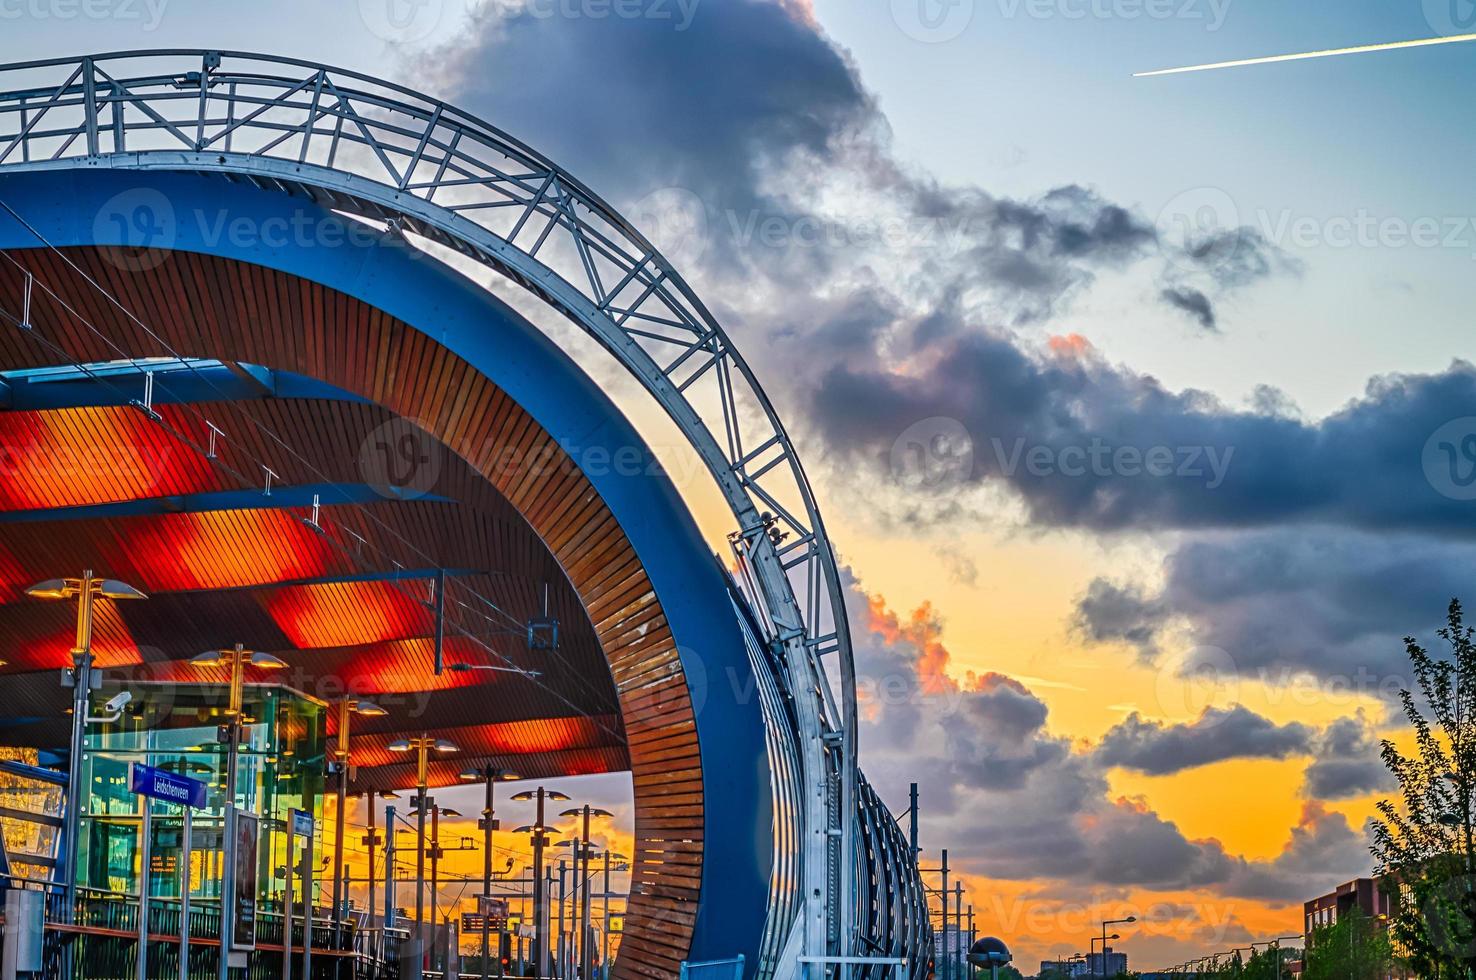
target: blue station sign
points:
(169, 787)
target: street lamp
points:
(488, 775)
(605, 913)
(540, 840)
(237, 658)
(1274, 945)
(86, 590)
(339, 764)
(1105, 924)
(422, 746)
(581, 853)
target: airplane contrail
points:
(1302, 56)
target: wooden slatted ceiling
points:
(202, 306)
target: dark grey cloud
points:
(1112, 612)
(1215, 736)
(1191, 301)
(1084, 443)
(753, 118)
(1287, 602)
(1235, 257)
(1346, 762)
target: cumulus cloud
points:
(1216, 735)
(1191, 301)
(1346, 762)
(1114, 612)
(757, 130)
(1017, 802)
(1285, 603)
(1084, 443)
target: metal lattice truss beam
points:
(378, 150)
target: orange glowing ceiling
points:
(344, 613)
(77, 456)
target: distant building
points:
(1377, 899)
(959, 941)
(1367, 895)
(1116, 963)
(1086, 965)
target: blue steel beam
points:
(174, 384)
(283, 497)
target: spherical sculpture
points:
(989, 952)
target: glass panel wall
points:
(182, 729)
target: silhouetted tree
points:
(1424, 843)
(1353, 948)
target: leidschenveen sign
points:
(166, 786)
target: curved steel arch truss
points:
(382, 151)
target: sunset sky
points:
(1124, 397)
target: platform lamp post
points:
(86, 590)
(581, 855)
(237, 659)
(605, 900)
(540, 840)
(371, 840)
(1105, 924)
(436, 853)
(347, 708)
(422, 746)
(488, 775)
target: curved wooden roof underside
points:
(506, 509)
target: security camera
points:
(118, 701)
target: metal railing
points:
(730, 969)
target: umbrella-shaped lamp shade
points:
(210, 658)
(265, 661)
(52, 588)
(368, 709)
(989, 952)
(445, 745)
(400, 745)
(111, 588)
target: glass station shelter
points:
(180, 728)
